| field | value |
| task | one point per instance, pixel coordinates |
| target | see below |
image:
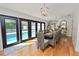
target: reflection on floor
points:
(29, 48)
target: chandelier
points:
(44, 10)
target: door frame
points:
(31, 29)
(44, 25)
(21, 19)
(4, 30)
(18, 28)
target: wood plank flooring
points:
(63, 48)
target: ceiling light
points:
(44, 10)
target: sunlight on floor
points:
(14, 48)
(24, 44)
(30, 42)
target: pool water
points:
(12, 37)
(24, 35)
(33, 33)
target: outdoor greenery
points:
(10, 25)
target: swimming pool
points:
(12, 37)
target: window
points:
(16, 30)
(42, 26)
(38, 27)
(33, 29)
(11, 34)
(24, 30)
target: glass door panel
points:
(38, 27)
(24, 30)
(10, 27)
(33, 29)
(42, 26)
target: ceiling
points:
(55, 9)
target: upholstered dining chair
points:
(41, 42)
(58, 35)
(56, 38)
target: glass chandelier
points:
(44, 10)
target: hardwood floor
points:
(29, 48)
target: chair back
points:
(58, 35)
(40, 38)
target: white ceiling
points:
(55, 9)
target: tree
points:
(10, 25)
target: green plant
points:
(10, 25)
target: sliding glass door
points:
(10, 31)
(33, 29)
(24, 30)
(38, 27)
(43, 27)
(16, 30)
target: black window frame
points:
(35, 29)
(18, 30)
(2, 17)
(44, 25)
(22, 19)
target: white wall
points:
(76, 31)
(10, 12)
(75, 28)
(75, 35)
